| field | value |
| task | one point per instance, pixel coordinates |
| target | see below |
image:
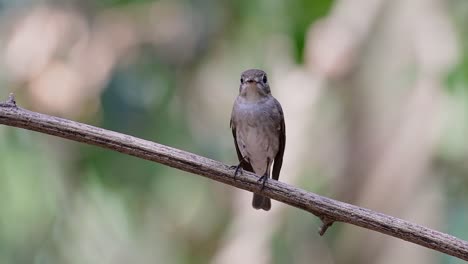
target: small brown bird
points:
(257, 124)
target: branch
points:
(326, 209)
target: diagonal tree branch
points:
(328, 210)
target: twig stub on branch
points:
(10, 102)
(326, 223)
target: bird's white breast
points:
(257, 134)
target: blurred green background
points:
(375, 95)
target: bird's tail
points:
(261, 202)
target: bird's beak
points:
(250, 81)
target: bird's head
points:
(254, 85)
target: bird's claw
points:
(264, 179)
(238, 169)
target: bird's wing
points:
(282, 142)
(243, 163)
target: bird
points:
(258, 128)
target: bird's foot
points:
(263, 179)
(238, 169)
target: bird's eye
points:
(242, 80)
(264, 79)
